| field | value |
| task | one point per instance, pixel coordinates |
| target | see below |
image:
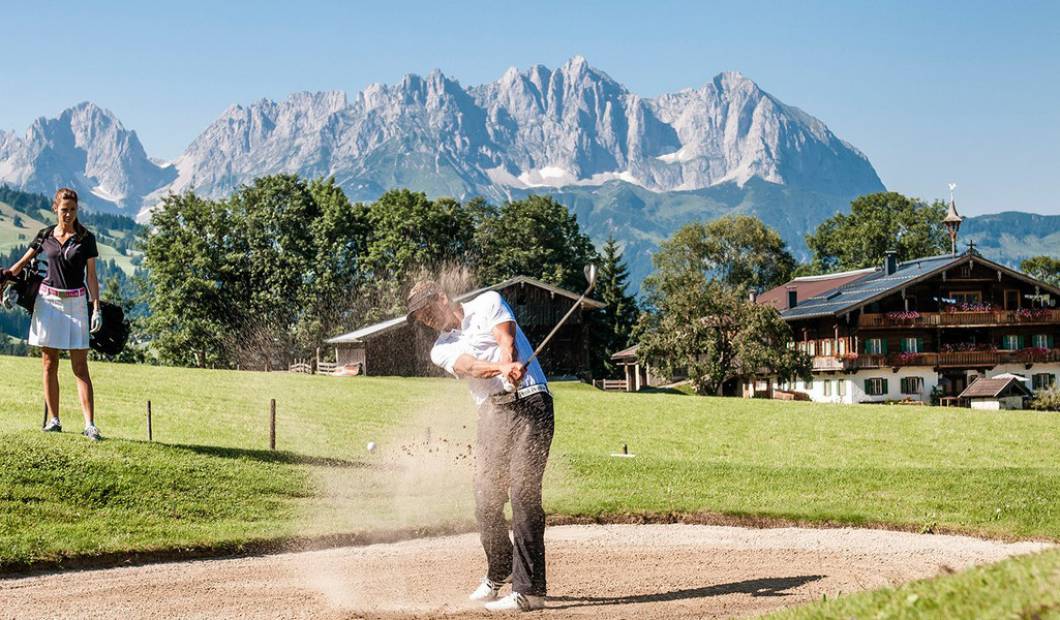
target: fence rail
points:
(611, 384)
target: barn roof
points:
(358, 335)
(995, 387)
(629, 354)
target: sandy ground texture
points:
(597, 571)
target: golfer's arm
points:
(28, 256)
(467, 366)
(504, 334)
(93, 281)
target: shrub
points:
(1046, 400)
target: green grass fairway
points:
(209, 481)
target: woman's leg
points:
(79, 362)
(50, 362)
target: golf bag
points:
(112, 336)
(23, 287)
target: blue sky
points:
(931, 92)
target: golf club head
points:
(590, 275)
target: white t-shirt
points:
(475, 338)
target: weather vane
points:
(953, 186)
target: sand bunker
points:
(598, 571)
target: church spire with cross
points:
(953, 221)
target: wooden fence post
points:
(272, 424)
(150, 436)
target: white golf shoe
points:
(517, 602)
(488, 589)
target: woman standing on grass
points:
(60, 315)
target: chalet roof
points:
(358, 335)
(808, 287)
(995, 387)
(877, 284)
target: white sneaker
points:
(517, 602)
(488, 589)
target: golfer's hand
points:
(510, 370)
(516, 374)
(97, 322)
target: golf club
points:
(590, 277)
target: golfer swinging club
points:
(479, 341)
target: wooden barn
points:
(394, 347)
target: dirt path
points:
(616, 571)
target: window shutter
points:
(883, 346)
(1019, 341)
(902, 345)
(885, 390)
(868, 386)
(919, 345)
(1049, 340)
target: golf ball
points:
(371, 446)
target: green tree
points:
(712, 333)
(878, 223)
(1044, 268)
(613, 324)
(739, 251)
(536, 237)
(703, 326)
(254, 280)
(190, 268)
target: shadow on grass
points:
(770, 586)
(272, 456)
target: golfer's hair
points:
(62, 195)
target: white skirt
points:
(59, 322)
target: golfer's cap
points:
(421, 296)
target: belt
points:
(62, 292)
(507, 398)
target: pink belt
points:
(62, 292)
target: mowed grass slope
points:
(209, 481)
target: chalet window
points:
(826, 347)
(1011, 342)
(913, 385)
(875, 387)
(876, 346)
(841, 387)
(1042, 341)
(811, 347)
(842, 346)
(1043, 380)
(1012, 299)
(912, 345)
(966, 297)
(827, 385)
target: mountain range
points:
(627, 165)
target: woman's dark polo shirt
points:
(66, 262)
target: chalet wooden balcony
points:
(948, 359)
(986, 318)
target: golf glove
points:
(97, 322)
(10, 297)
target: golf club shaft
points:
(555, 329)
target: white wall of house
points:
(1052, 368)
(850, 388)
(994, 404)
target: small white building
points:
(996, 393)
